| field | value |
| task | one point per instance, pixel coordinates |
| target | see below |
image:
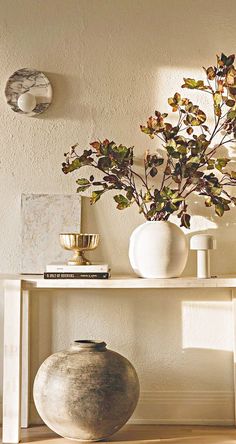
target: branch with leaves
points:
(188, 162)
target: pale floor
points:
(150, 434)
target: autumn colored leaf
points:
(194, 84)
(96, 145)
(185, 220)
(211, 73)
(230, 102)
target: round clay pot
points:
(87, 392)
(158, 249)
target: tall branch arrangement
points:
(186, 163)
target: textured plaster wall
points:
(111, 64)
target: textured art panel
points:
(44, 216)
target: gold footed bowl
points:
(79, 243)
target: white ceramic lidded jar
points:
(158, 249)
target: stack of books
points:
(65, 271)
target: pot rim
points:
(88, 344)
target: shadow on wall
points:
(191, 339)
(67, 103)
(41, 327)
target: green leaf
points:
(216, 191)
(217, 97)
(177, 199)
(159, 206)
(182, 149)
(208, 201)
(167, 192)
(221, 163)
(74, 165)
(104, 163)
(159, 161)
(231, 114)
(129, 193)
(171, 143)
(210, 164)
(148, 131)
(147, 197)
(219, 209)
(194, 160)
(96, 196)
(151, 213)
(122, 202)
(82, 181)
(82, 188)
(193, 84)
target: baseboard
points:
(192, 407)
(175, 407)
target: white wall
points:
(111, 64)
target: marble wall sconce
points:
(28, 92)
(203, 243)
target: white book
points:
(57, 267)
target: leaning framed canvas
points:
(44, 217)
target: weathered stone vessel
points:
(87, 392)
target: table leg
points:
(12, 362)
(25, 361)
(234, 348)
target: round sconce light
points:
(26, 102)
(28, 92)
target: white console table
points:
(16, 331)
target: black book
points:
(50, 275)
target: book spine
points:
(48, 275)
(75, 269)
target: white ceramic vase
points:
(158, 250)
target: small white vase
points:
(158, 250)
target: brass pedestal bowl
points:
(79, 243)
